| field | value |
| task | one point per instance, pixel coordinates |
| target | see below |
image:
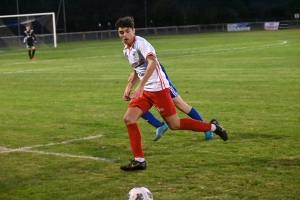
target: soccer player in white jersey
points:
(30, 41)
(152, 89)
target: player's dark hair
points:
(27, 25)
(125, 22)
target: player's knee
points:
(128, 120)
(174, 126)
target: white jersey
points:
(137, 54)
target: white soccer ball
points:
(139, 193)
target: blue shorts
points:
(173, 90)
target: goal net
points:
(12, 29)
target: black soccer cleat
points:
(219, 130)
(134, 165)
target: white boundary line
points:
(35, 70)
(68, 155)
(51, 144)
(27, 149)
(228, 50)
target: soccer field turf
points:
(63, 137)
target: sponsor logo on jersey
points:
(138, 63)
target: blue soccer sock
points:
(195, 115)
(151, 119)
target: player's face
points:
(126, 35)
(27, 28)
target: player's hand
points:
(35, 42)
(130, 76)
(24, 43)
(126, 96)
(138, 92)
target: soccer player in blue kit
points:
(161, 127)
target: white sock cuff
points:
(213, 127)
(139, 159)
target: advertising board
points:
(238, 27)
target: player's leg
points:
(30, 45)
(33, 51)
(191, 112)
(187, 109)
(130, 119)
(173, 93)
(161, 127)
(135, 110)
(194, 125)
(152, 120)
(168, 112)
(29, 51)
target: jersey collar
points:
(129, 46)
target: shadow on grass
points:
(268, 162)
(247, 136)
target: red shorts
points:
(160, 99)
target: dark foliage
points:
(84, 15)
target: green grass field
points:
(62, 134)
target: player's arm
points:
(33, 36)
(149, 71)
(25, 38)
(132, 80)
(130, 76)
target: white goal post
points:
(43, 25)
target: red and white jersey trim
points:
(137, 54)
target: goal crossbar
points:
(37, 14)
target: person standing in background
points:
(29, 41)
(151, 25)
(100, 27)
(109, 26)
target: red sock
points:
(135, 140)
(194, 125)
